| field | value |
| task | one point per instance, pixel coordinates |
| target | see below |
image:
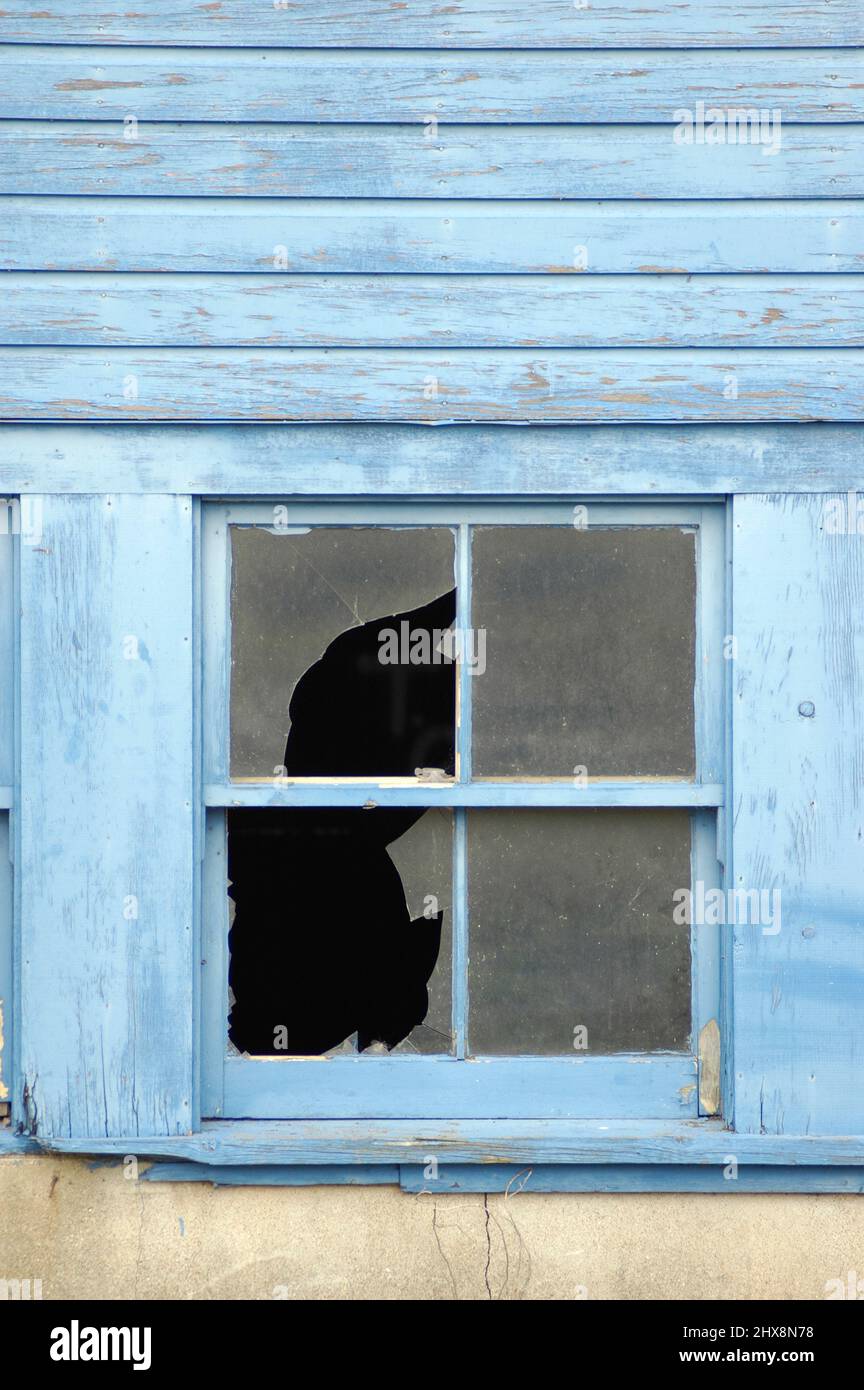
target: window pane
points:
(340, 939)
(359, 705)
(571, 926)
(590, 640)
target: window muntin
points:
(297, 1086)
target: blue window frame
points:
(9, 526)
(643, 1085)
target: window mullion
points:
(463, 772)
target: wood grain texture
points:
(7, 1011)
(224, 384)
(443, 24)
(681, 1142)
(374, 161)
(10, 521)
(183, 84)
(589, 1177)
(428, 1088)
(106, 868)
(598, 792)
(471, 237)
(798, 773)
(375, 461)
(514, 1179)
(427, 311)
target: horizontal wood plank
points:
(564, 1177)
(375, 461)
(656, 792)
(367, 1175)
(41, 82)
(482, 23)
(471, 237)
(374, 161)
(424, 311)
(483, 1141)
(565, 386)
(644, 1085)
(514, 1178)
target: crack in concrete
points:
(488, 1246)
(441, 1248)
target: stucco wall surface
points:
(91, 1231)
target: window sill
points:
(466, 1142)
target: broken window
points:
(340, 937)
(341, 637)
(471, 763)
(347, 609)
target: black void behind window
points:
(590, 638)
(341, 932)
(570, 927)
(341, 669)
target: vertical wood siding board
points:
(7, 1009)
(346, 460)
(374, 161)
(381, 385)
(798, 824)
(259, 235)
(480, 23)
(8, 674)
(7, 640)
(106, 812)
(185, 310)
(176, 84)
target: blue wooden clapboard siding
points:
(480, 23)
(635, 85)
(414, 311)
(254, 249)
(374, 161)
(386, 236)
(441, 385)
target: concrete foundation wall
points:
(90, 1232)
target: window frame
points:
(643, 1086)
(9, 541)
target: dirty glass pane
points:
(589, 658)
(340, 936)
(571, 927)
(424, 859)
(367, 704)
